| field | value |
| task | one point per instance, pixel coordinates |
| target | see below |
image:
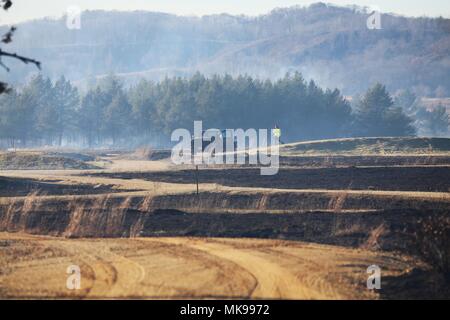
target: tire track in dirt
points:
(313, 275)
(114, 275)
(120, 275)
(273, 281)
(230, 279)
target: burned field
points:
(429, 179)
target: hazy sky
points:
(30, 9)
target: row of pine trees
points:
(43, 112)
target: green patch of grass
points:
(376, 146)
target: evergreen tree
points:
(66, 100)
(376, 115)
(39, 94)
(90, 116)
(10, 119)
(142, 100)
(117, 117)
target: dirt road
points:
(161, 268)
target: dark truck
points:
(224, 135)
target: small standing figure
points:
(277, 133)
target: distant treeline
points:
(47, 113)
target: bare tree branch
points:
(18, 57)
(7, 38)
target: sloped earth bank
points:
(236, 215)
(373, 145)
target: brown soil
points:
(175, 268)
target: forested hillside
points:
(329, 44)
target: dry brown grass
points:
(146, 204)
(337, 202)
(32, 202)
(374, 237)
